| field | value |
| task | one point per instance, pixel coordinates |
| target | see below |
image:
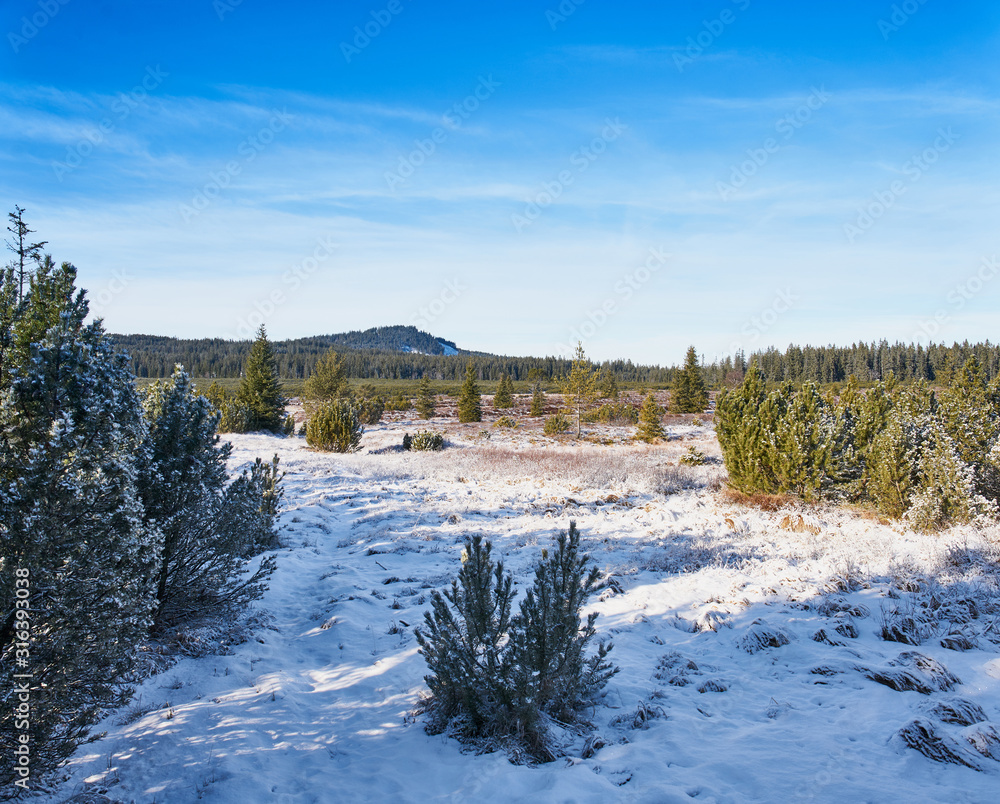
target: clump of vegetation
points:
(370, 409)
(901, 450)
(470, 401)
(650, 426)
(506, 421)
(426, 405)
(624, 413)
(258, 403)
(689, 394)
(693, 457)
(504, 396)
(399, 402)
(423, 440)
(537, 401)
(335, 427)
(497, 678)
(557, 423)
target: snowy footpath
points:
(752, 644)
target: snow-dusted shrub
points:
(335, 427)
(370, 409)
(424, 440)
(494, 677)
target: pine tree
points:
(335, 427)
(21, 247)
(650, 426)
(504, 397)
(608, 384)
(327, 381)
(208, 527)
(579, 387)
(260, 390)
(469, 401)
(538, 401)
(426, 405)
(689, 392)
(76, 553)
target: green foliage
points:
(693, 457)
(235, 417)
(689, 394)
(260, 390)
(504, 396)
(327, 381)
(426, 406)
(506, 422)
(288, 427)
(207, 526)
(370, 409)
(537, 401)
(469, 401)
(607, 383)
(423, 440)
(613, 413)
(650, 426)
(335, 427)
(895, 448)
(556, 424)
(497, 677)
(398, 402)
(72, 534)
(579, 387)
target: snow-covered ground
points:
(708, 706)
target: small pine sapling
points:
(650, 427)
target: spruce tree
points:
(469, 401)
(504, 397)
(650, 426)
(76, 553)
(608, 384)
(538, 401)
(689, 392)
(260, 390)
(327, 381)
(426, 405)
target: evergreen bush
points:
(335, 427)
(504, 396)
(469, 401)
(506, 422)
(557, 423)
(689, 394)
(497, 678)
(423, 440)
(537, 401)
(426, 405)
(650, 426)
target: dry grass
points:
(765, 502)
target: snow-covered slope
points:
(724, 693)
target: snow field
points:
(711, 703)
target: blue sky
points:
(515, 176)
